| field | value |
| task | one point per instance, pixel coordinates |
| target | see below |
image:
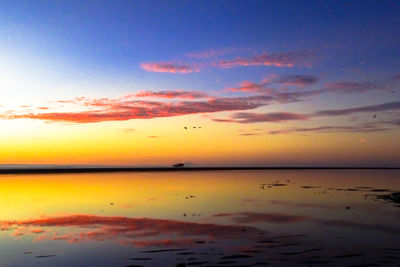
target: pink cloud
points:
(289, 59)
(172, 94)
(170, 67)
(350, 87)
(250, 87)
(273, 86)
(127, 109)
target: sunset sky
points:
(270, 83)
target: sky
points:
(208, 83)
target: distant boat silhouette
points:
(178, 165)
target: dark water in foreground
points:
(221, 218)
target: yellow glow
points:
(214, 143)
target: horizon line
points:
(105, 169)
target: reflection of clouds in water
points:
(99, 228)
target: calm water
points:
(226, 218)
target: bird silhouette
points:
(185, 128)
(374, 116)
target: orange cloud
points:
(127, 109)
(37, 231)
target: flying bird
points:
(185, 128)
(374, 116)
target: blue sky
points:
(115, 36)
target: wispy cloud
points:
(172, 94)
(170, 67)
(285, 88)
(126, 108)
(129, 130)
(211, 53)
(289, 59)
(351, 87)
(251, 87)
(249, 117)
(249, 134)
(297, 80)
(294, 96)
(333, 129)
(283, 59)
(252, 117)
(272, 85)
(347, 111)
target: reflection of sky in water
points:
(242, 217)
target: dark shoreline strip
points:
(171, 169)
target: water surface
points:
(205, 218)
